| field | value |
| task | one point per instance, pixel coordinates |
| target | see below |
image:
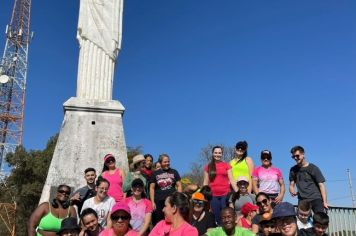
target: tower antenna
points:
(13, 73)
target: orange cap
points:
(198, 196)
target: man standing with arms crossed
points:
(309, 181)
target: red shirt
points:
(220, 186)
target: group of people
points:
(236, 198)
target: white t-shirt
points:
(102, 209)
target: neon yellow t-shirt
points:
(240, 169)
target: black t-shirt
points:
(307, 180)
(308, 232)
(85, 193)
(256, 219)
(207, 222)
(165, 182)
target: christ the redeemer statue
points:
(99, 35)
(92, 125)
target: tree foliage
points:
(133, 151)
(196, 173)
(24, 184)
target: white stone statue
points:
(99, 35)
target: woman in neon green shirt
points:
(241, 164)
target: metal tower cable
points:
(13, 72)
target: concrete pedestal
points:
(90, 129)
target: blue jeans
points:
(217, 204)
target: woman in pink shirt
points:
(115, 176)
(176, 217)
(268, 179)
(218, 175)
(140, 207)
(120, 218)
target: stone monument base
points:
(90, 129)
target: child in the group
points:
(320, 225)
(304, 220)
(140, 208)
(248, 211)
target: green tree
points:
(196, 172)
(25, 182)
(133, 151)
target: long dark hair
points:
(212, 166)
(101, 180)
(105, 167)
(243, 145)
(181, 202)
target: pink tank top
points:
(115, 189)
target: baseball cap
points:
(247, 208)
(242, 178)
(266, 152)
(283, 209)
(198, 196)
(107, 156)
(120, 206)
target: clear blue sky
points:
(274, 73)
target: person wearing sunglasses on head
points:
(309, 180)
(101, 203)
(47, 217)
(120, 218)
(265, 208)
(201, 217)
(115, 176)
(268, 179)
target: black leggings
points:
(158, 214)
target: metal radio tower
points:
(13, 71)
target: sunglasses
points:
(110, 160)
(296, 156)
(64, 192)
(120, 217)
(263, 202)
(197, 202)
(240, 148)
(266, 158)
